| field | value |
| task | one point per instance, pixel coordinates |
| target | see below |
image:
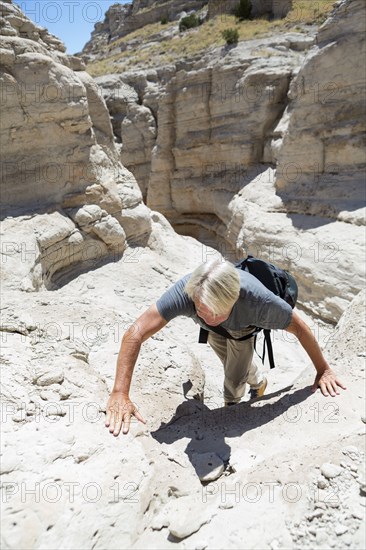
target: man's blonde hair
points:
(216, 284)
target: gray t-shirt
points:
(256, 306)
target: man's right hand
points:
(119, 411)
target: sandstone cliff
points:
(60, 166)
(324, 118)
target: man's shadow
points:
(207, 428)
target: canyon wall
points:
(325, 119)
(60, 168)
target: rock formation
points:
(324, 119)
(60, 166)
(121, 20)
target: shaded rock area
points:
(271, 8)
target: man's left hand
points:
(328, 383)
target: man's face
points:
(207, 316)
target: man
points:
(216, 293)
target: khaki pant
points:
(239, 367)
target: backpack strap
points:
(203, 335)
(266, 343)
(267, 340)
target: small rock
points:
(208, 466)
(187, 517)
(49, 395)
(322, 483)
(226, 505)
(330, 470)
(362, 483)
(358, 515)
(363, 418)
(54, 376)
(333, 504)
(64, 393)
(347, 540)
(316, 514)
(321, 505)
(19, 416)
(340, 530)
(351, 451)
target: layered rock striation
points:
(324, 119)
(60, 168)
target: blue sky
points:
(70, 20)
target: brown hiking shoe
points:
(258, 392)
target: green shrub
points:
(164, 20)
(231, 36)
(188, 22)
(243, 10)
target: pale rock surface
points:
(143, 489)
(330, 470)
(76, 330)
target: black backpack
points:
(278, 281)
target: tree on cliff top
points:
(243, 10)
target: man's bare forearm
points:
(145, 326)
(127, 357)
(308, 342)
(312, 348)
